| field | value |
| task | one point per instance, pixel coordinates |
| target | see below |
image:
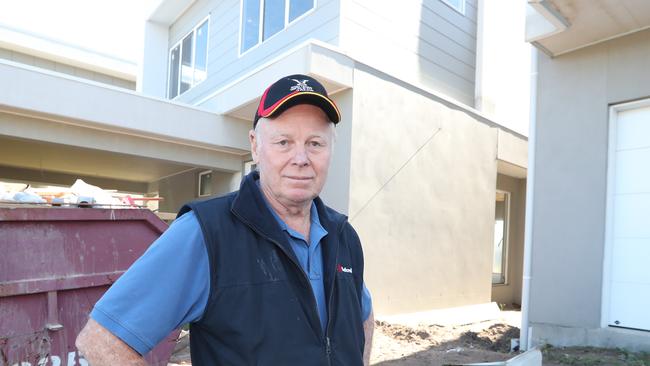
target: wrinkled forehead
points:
(303, 120)
(272, 128)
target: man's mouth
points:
(298, 177)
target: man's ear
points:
(253, 140)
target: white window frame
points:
(180, 56)
(260, 35)
(460, 9)
(609, 207)
(198, 193)
(506, 241)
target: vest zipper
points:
(328, 349)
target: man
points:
(267, 275)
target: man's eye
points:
(283, 142)
(316, 144)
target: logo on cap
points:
(301, 86)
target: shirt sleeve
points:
(366, 303)
(165, 288)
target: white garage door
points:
(629, 218)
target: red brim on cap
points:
(301, 97)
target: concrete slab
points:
(531, 357)
(462, 315)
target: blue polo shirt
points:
(172, 283)
(310, 256)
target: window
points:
(205, 183)
(458, 5)
(261, 19)
(188, 61)
(500, 257)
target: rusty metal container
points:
(55, 263)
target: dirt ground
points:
(436, 345)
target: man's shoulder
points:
(339, 220)
(217, 203)
(329, 214)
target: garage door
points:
(629, 218)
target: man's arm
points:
(368, 329)
(100, 347)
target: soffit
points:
(38, 155)
(594, 21)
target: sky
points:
(111, 27)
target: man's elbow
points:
(100, 347)
(83, 339)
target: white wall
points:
(503, 64)
(424, 42)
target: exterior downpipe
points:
(525, 337)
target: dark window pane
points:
(298, 8)
(174, 59)
(250, 24)
(205, 184)
(186, 62)
(273, 17)
(201, 53)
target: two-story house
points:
(423, 169)
(430, 159)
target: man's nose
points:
(300, 156)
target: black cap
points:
(293, 90)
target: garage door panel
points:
(629, 177)
(633, 129)
(634, 312)
(630, 261)
(632, 216)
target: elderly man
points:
(267, 275)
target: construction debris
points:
(79, 194)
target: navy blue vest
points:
(261, 309)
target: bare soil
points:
(400, 345)
(436, 345)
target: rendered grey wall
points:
(422, 189)
(510, 292)
(225, 64)
(425, 42)
(574, 91)
(65, 69)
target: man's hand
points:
(368, 329)
(100, 347)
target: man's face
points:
(293, 153)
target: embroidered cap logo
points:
(301, 86)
